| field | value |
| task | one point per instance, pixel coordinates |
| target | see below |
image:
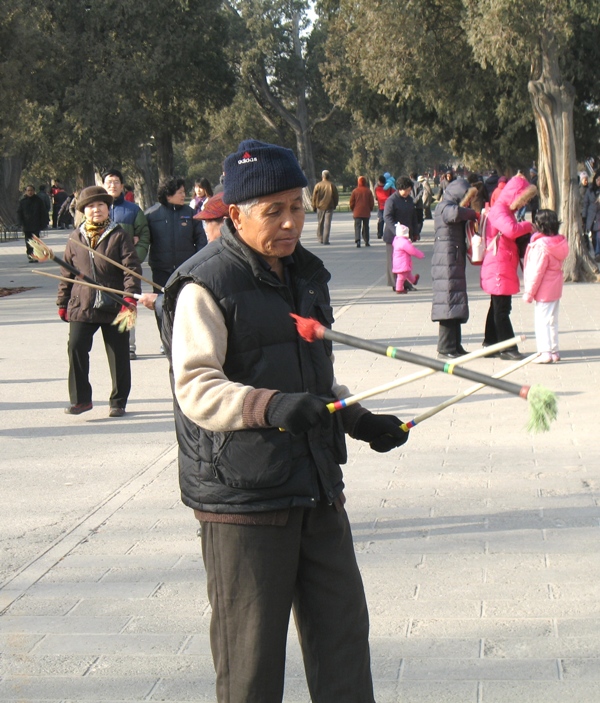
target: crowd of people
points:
(171, 232)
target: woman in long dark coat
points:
(450, 303)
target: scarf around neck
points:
(94, 230)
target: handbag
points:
(105, 304)
(476, 239)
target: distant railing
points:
(10, 231)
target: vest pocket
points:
(252, 458)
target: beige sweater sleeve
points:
(205, 395)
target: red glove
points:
(63, 314)
(131, 302)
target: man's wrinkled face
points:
(274, 225)
(113, 186)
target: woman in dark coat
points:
(450, 303)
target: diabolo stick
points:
(542, 402)
(469, 391)
(118, 265)
(377, 390)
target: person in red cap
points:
(212, 215)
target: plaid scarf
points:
(94, 230)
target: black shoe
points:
(511, 355)
(495, 355)
(409, 286)
(367, 244)
(358, 245)
(78, 408)
(449, 355)
(116, 412)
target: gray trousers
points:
(258, 574)
(324, 225)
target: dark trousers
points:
(449, 337)
(256, 575)
(420, 219)
(81, 336)
(361, 224)
(380, 224)
(160, 278)
(498, 327)
(28, 236)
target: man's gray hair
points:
(325, 174)
(247, 205)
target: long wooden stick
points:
(97, 286)
(469, 391)
(42, 252)
(485, 351)
(312, 329)
(118, 265)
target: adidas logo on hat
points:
(247, 158)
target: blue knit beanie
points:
(258, 169)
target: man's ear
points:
(234, 214)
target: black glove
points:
(297, 412)
(382, 432)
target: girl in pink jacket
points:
(543, 279)
(402, 252)
(499, 276)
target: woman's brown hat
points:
(93, 194)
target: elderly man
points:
(260, 453)
(325, 199)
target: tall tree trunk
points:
(303, 128)
(143, 179)
(11, 168)
(86, 175)
(552, 100)
(298, 120)
(164, 155)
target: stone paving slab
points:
(477, 542)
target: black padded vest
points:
(264, 469)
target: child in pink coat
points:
(402, 252)
(543, 279)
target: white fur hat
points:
(402, 230)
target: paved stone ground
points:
(478, 543)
